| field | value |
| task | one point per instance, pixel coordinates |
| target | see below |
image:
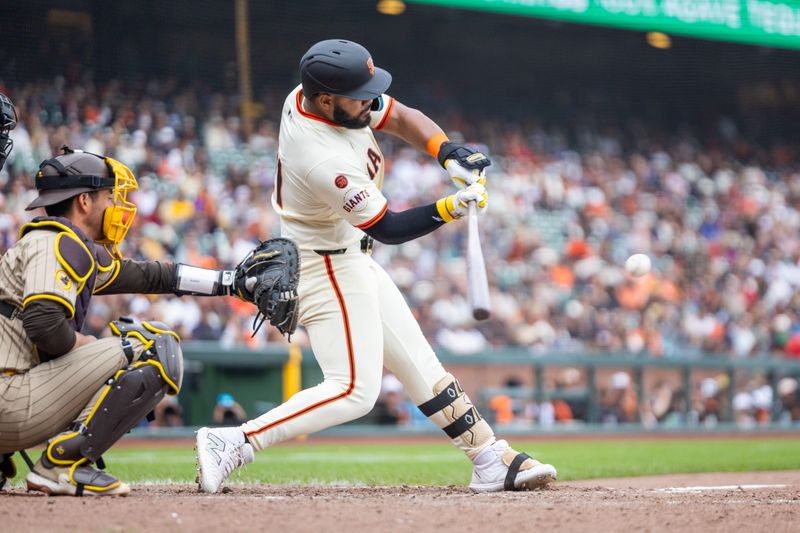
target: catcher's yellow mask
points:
(118, 219)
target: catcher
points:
(79, 393)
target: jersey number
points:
(374, 163)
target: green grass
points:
(441, 464)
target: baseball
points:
(638, 265)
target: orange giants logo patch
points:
(340, 182)
(371, 67)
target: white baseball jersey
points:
(329, 178)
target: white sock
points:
(487, 455)
(234, 434)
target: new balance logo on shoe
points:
(215, 446)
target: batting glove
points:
(457, 205)
(464, 165)
(462, 177)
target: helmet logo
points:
(371, 66)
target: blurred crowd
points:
(566, 401)
(718, 214)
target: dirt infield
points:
(764, 501)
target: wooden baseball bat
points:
(476, 269)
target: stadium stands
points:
(717, 214)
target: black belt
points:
(10, 311)
(331, 252)
(366, 247)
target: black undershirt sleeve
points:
(396, 228)
(47, 327)
(143, 277)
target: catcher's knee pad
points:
(162, 347)
(127, 398)
(463, 419)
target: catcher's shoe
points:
(78, 479)
(7, 469)
(499, 467)
(219, 451)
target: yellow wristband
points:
(435, 142)
(442, 208)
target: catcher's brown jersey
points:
(30, 270)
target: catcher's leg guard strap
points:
(464, 421)
(128, 397)
(27, 459)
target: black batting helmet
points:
(343, 68)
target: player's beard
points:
(341, 118)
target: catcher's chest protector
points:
(76, 254)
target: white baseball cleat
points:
(499, 467)
(219, 451)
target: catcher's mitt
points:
(268, 277)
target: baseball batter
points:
(328, 194)
(76, 392)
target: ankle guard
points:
(464, 421)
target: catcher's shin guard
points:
(127, 397)
(462, 423)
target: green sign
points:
(764, 22)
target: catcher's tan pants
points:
(47, 399)
(357, 321)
